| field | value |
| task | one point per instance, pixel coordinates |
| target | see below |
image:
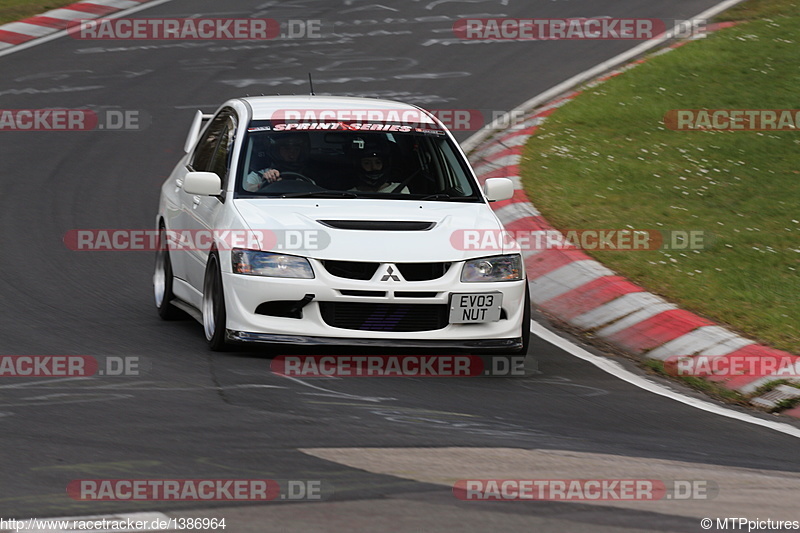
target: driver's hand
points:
(271, 175)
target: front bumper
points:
(244, 294)
(484, 346)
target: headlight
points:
(256, 263)
(497, 268)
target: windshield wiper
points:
(320, 194)
(449, 198)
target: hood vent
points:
(379, 225)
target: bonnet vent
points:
(379, 225)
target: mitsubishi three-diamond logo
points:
(390, 274)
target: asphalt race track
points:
(387, 450)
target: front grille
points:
(384, 317)
(365, 270)
(371, 294)
(423, 271)
(351, 269)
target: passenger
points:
(374, 172)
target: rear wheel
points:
(163, 280)
(213, 307)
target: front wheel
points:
(526, 323)
(511, 363)
(213, 307)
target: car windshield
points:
(338, 160)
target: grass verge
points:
(708, 387)
(606, 160)
(13, 10)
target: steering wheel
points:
(297, 176)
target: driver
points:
(373, 166)
(289, 153)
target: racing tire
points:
(506, 364)
(213, 306)
(526, 323)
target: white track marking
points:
(618, 371)
(26, 384)
(339, 394)
(604, 364)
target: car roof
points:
(266, 107)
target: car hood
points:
(337, 229)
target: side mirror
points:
(202, 183)
(497, 189)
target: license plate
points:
(469, 308)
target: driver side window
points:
(221, 162)
(213, 152)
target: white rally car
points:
(336, 220)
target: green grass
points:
(711, 388)
(769, 386)
(781, 405)
(605, 160)
(12, 10)
(715, 390)
(785, 404)
(758, 9)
